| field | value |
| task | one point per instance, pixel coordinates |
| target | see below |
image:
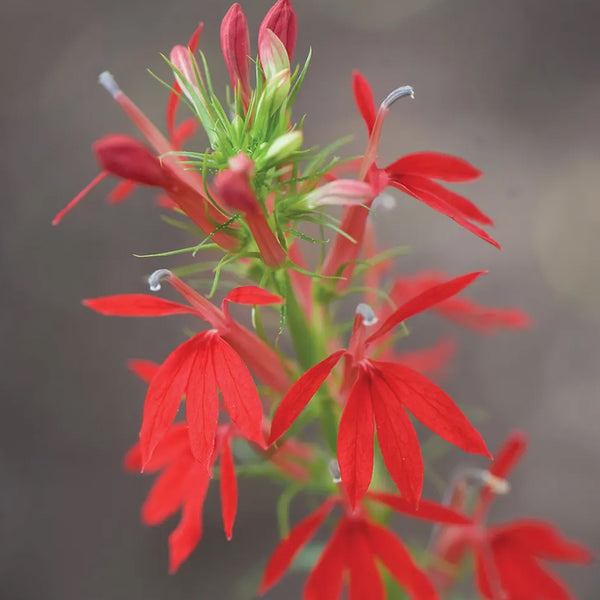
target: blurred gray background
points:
(513, 85)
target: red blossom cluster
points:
(249, 197)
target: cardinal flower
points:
(356, 546)
(183, 483)
(509, 558)
(379, 394)
(466, 312)
(210, 361)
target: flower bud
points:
(125, 157)
(281, 20)
(273, 55)
(276, 91)
(342, 192)
(283, 146)
(183, 60)
(235, 43)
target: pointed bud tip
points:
(107, 81)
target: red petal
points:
(299, 395)
(455, 201)
(365, 580)
(542, 540)
(229, 492)
(238, 391)
(136, 305)
(166, 495)
(423, 301)
(355, 440)
(122, 191)
(363, 95)
(175, 444)
(189, 531)
(426, 511)
(144, 369)
(164, 396)
(183, 132)
(388, 548)
(411, 185)
(506, 459)
(325, 581)
(202, 400)
(251, 295)
(281, 20)
(432, 406)
(434, 165)
(397, 440)
(289, 547)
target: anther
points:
(334, 469)
(158, 276)
(366, 312)
(107, 81)
(401, 92)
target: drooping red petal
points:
(251, 295)
(507, 458)
(392, 553)
(202, 400)
(289, 547)
(325, 581)
(189, 531)
(144, 369)
(541, 539)
(166, 494)
(365, 580)
(434, 165)
(363, 96)
(452, 199)
(398, 440)
(426, 511)
(238, 391)
(432, 406)
(229, 492)
(136, 305)
(423, 301)
(175, 444)
(411, 185)
(299, 395)
(281, 20)
(164, 396)
(355, 440)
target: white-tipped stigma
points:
(497, 484)
(401, 92)
(334, 469)
(107, 81)
(366, 312)
(384, 202)
(158, 276)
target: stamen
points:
(401, 92)
(158, 276)
(367, 313)
(107, 81)
(499, 486)
(334, 469)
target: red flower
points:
(355, 546)
(509, 558)
(208, 362)
(380, 393)
(183, 484)
(466, 312)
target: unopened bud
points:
(235, 43)
(281, 20)
(342, 192)
(284, 146)
(273, 55)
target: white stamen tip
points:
(384, 202)
(158, 276)
(497, 484)
(107, 81)
(401, 92)
(334, 469)
(366, 312)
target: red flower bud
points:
(235, 43)
(125, 157)
(281, 20)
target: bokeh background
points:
(513, 86)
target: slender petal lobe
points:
(136, 305)
(364, 99)
(434, 165)
(229, 493)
